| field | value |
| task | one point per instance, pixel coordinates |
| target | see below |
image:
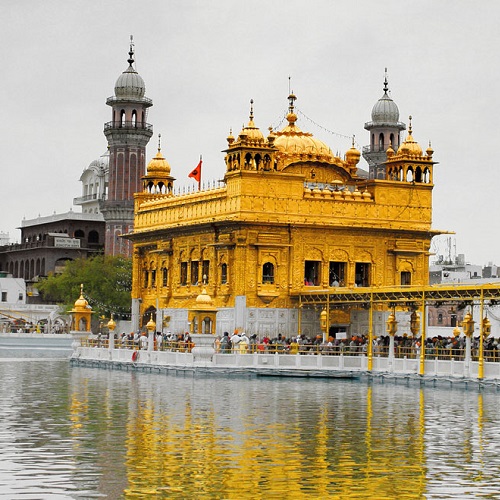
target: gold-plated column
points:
(370, 334)
(480, 367)
(299, 320)
(423, 323)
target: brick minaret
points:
(127, 134)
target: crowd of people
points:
(240, 342)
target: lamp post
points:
(322, 321)
(111, 333)
(485, 331)
(151, 327)
(414, 323)
(468, 328)
(392, 328)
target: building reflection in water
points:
(274, 438)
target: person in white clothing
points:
(235, 340)
(244, 341)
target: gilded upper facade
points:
(290, 217)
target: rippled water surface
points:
(72, 432)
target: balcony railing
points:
(83, 199)
(146, 101)
(128, 125)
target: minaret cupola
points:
(158, 179)
(250, 150)
(385, 131)
(410, 163)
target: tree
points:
(107, 282)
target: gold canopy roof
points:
(292, 142)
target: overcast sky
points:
(202, 62)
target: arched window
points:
(122, 118)
(418, 175)
(223, 273)
(79, 234)
(248, 161)
(134, 118)
(164, 276)
(268, 273)
(409, 175)
(405, 278)
(427, 176)
(257, 161)
(267, 162)
(381, 142)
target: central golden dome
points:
(294, 144)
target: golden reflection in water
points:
(198, 454)
(480, 423)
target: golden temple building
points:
(290, 217)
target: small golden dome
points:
(151, 325)
(271, 137)
(158, 164)
(410, 146)
(352, 156)
(251, 132)
(81, 302)
(429, 151)
(204, 299)
(230, 138)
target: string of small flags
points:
(331, 132)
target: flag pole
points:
(199, 182)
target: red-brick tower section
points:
(127, 134)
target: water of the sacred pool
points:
(71, 432)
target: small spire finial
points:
(409, 126)
(386, 84)
(159, 143)
(291, 99)
(131, 51)
(251, 109)
(353, 139)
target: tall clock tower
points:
(127, 133)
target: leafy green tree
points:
(107, 282)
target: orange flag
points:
(196, 173)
